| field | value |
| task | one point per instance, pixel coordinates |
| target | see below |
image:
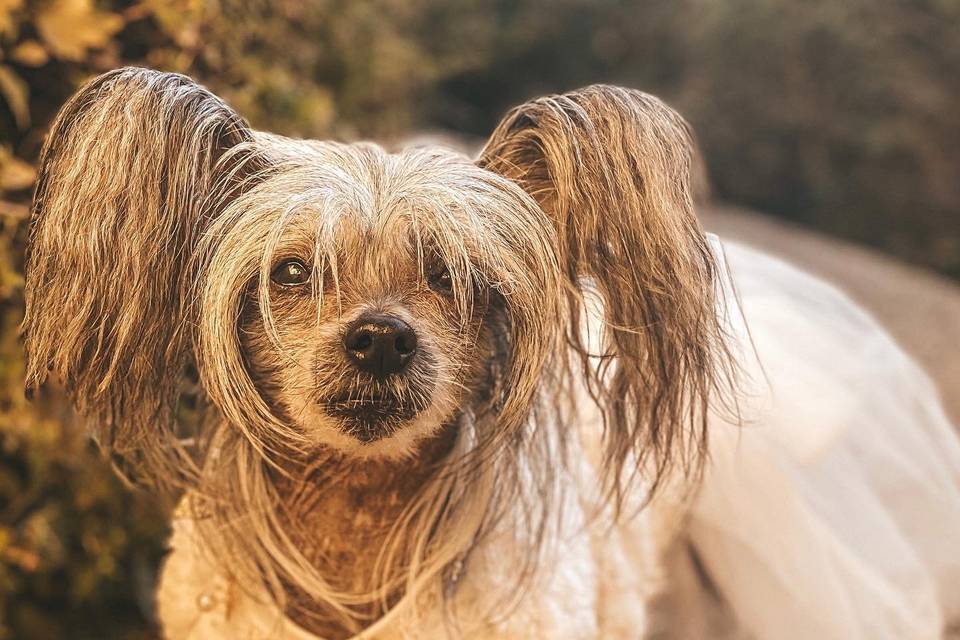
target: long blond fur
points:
(158, 217)
(131, 170)
(612, 168)
(500, 461)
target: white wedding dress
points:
(833, 513)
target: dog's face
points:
(373, 360)
(378, 290)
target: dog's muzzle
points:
(369, 419)
(388, 388)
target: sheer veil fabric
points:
(834, 511)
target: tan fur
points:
(159, 218)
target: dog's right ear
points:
(134, 167)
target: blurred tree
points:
(841, 116)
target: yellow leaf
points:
(7, 8)
(15, 174)
(70, 27)
(17, 95)
(30, 53)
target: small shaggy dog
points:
(475, 398)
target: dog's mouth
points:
(369, 418)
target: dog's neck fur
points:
(339, 513)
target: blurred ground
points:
(920, 308)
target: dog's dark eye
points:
(290, 273)
(439, 280)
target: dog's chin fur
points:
(160, 216)
(402, 444)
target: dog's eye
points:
(290, 273)
(439, 280)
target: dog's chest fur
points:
(595, 579)
(339, 514)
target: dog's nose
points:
(380, 344)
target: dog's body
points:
(445, 396)
(594, 582)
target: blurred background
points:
(839, 121)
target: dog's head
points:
(339, 297)
(379, 295)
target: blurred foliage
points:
(841, 116)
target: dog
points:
(416, 394)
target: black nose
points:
(380, 344)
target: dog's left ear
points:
(133, 170)
(612, 168)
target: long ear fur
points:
(612, 168)
(134, 166)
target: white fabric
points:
(834, 513)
